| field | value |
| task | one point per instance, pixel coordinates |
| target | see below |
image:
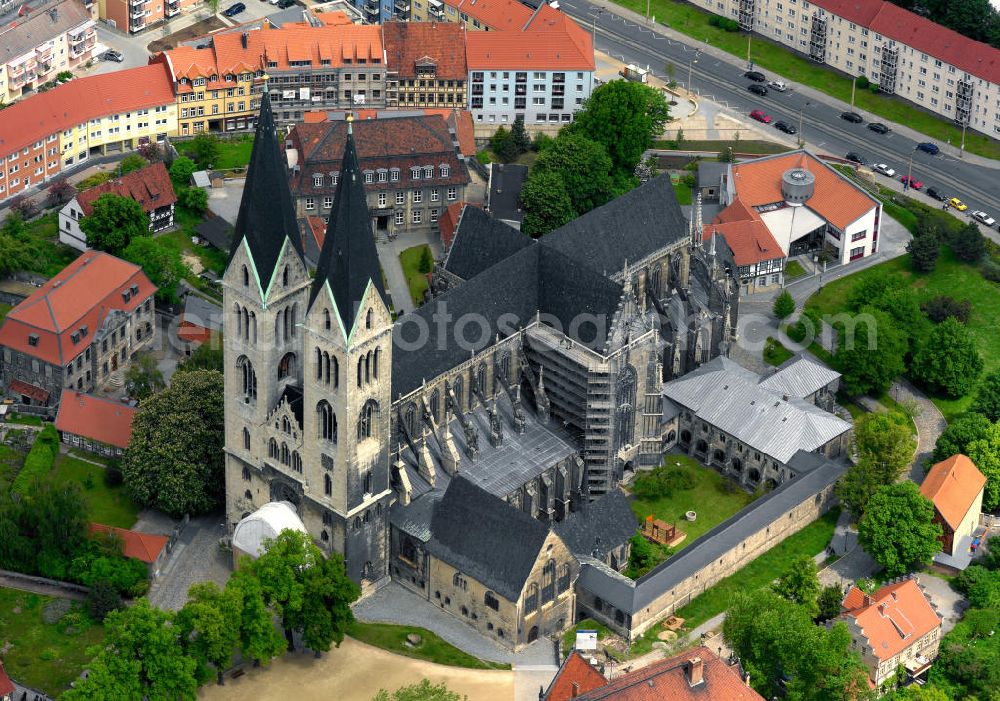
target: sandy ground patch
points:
(356, 672)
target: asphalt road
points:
(722, 82)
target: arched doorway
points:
(754, 475)
(718, 456)
(771, 483)
(685, 438)
(701, 448)
(737, 465)
(533, 634)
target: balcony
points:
(172, 8)
(137, 13)
(435, 13)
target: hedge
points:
(39, 460)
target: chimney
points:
(695, 671)
(576, 690)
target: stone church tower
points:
(308, 364)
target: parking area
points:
(948, 602)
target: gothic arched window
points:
(366, 422)
(239, 320)
(435, 404)
(327, 486)
(327, 421)
(457, 389)
(504, 366)
(272, 448)
(327, 323)
(246, 439)
(248, 377)
(246, 324)
(549, 581)
(296, 461)
(625, 401)
(286, 457)
(368, 319)
(531, 598)
(286, 366)
(246, 277)
(564, 575)
(361, 370)
(375, 357)
(410, 419)
(320, 363)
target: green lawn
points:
(50, 255)
(709, 498)
(794, 270)
(415, 280)
(950, 277)
(811, 540)
(107, 505)
(23, 419)
(432, 648)
(718, 146)
(4, 308)
(682, 191)
(569, 637)
(10, 462)
(693, 22)
(41, 655)
(774, 352)
(233, 153)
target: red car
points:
(760, 116)
(914, 183)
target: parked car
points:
(852, 117)
(112, 55)
(781, 125)
(757, 89)
(928, 147)
(958, 204)
(760, 116)
(984, 218)
(777, 85)
(934, 194)
(856, 158)
(755, 76)
(286, 3)
(878, 127)
(913, 182)
(234, 9)
(883, 169)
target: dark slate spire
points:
(267, 216)
(348, 259)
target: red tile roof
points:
(448, 222)
(39, 394)
(410, 43)
(150, 187)
(95, 418)
(318, 228)
(550, 41)
(81, 295)
(142, 546)
(893, 618)
(6, 685)
(750, 240)
(840, 202)
(893, 22)
(496, 14)
(575, 677)
(953, 485)
(78, 101)
(668, 679)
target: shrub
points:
(941, 307)
(484, 157)
(112, 477)
(193, 198)
(39, 460)
(662, 482)
(102, 600)
(990, 271)
(93, 180)
(64, 76)
(863, 82)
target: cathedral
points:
(521, 394)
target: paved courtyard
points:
(195, 557)
(949, 603)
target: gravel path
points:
(40, 588)
(930, 423)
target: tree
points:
(143, 378)
(103, 599)
(624, 117)
(114, 222)
(151, 151)
(207, 356)
(162, 263)
(886, 441)
(641, 557)
(131, 163)
(584, 168)
(981, 586)
(941, 307)
(800, 584)
(829, 602)
(546, 204)
(204, 150)
(784, 305)
(968, 666)
(985, 453)
(175, 461)
(259, 640)
(61, 191)
(871, 360)
(426, 263)
(519, 135)
(948, 362)
(898, 528)
(987, 401)
(787, 655)
(181, 171)
(210, 627)
(310, 593)
(968, 244)
(193, 198)
(43, 528)
(23, 206)
(924, 251)
(141, 657)
(213, 5)
(422, 691)
(959, 434)
(503, 146)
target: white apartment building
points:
(903, 53)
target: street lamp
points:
(802, 139)
(749, 62)
(690, 70)
(600, 11)
(909, 170)
(961, 153)
(854, 85)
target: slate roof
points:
(628, 228)
(293, 395)
(481, 241)
(415, 518)
(348, 261)
(601, 525)
(486, 538)
(266, 217)
(710, 173)
(631, 596)
(728, 396)
(800, 376)
(217, 231)
(201, 312)
(506, 182)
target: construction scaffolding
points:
(817, 38)
(887, 68)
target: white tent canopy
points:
(263, 524)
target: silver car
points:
(984, 218)
(883, 169)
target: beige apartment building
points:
(134, 16)
(52, 38)
(903, 53)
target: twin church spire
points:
(348, 261)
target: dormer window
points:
(74, 336)
(334, 177)
(415, 173)
(369, 177)
(318, 180)
(428, 172)
(126, 296)
(394, 174)
(445, 171)
(32, 339)
(83, 331)
(383, 175)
